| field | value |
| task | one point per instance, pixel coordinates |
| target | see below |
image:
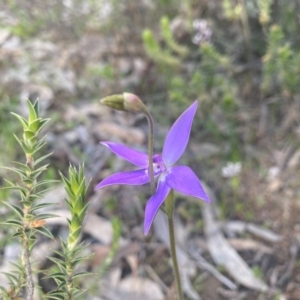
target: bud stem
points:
(150, 150)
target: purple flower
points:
(179, 178)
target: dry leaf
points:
(242, 227)
(130, 288)
(141, 288)
(223, 254)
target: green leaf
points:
(13, 223)
(58, 252)
(34, 126)
(33, 115)
(75, 225)
(11, 278)
(36, 175)
(44, 192)
(45, 231)
(29, 134)
(43, 122)
(45, 216)
(62, 284)
(77, 292)
(28, 182)
(65, 181)
(81, 188)
(42, 158)
(21, 119)
(18, 171)
(40, 169)
(37, 148)
(28, 200)
(42, 182)
(83, 211)
(17, 265)
(39, 206)
(59, 275)
(81, 258)
(18, 140)
(70, 195)
(26, 168)
(80, 274)
(16, 209)
(59, 263)
(17, 235)
(13, 187)
(36, 106)
(4, 292)
(56, 295)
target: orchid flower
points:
(179, 178)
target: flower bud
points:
(133, 103)
(125, 102)
(114, 101)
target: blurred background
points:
(241, 60)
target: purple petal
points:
(154, 204)
(178, 136)
(137, 177)
(137, 158)
(185, 181)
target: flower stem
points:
(150, 150)
(169, 204)
(174, 258)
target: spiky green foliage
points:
(171, 54)
(206, 72)
(27, 222)
(212, 73)
(169, 39)
(162, 57)
(210, 80)
(70, 255)
(16, 281)
(31, 129)
(231, 10)
(281, 64)
(76, 189)
(264, 11)
(65, 276)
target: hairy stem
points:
(169, 207)
(174, 258)
(28, 270)
(150, 150)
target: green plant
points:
(71, 253)
(258, 272)
(281, 64)
(28, 222)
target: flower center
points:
(158, 164)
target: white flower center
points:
(158, 165)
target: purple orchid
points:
(179, 178)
